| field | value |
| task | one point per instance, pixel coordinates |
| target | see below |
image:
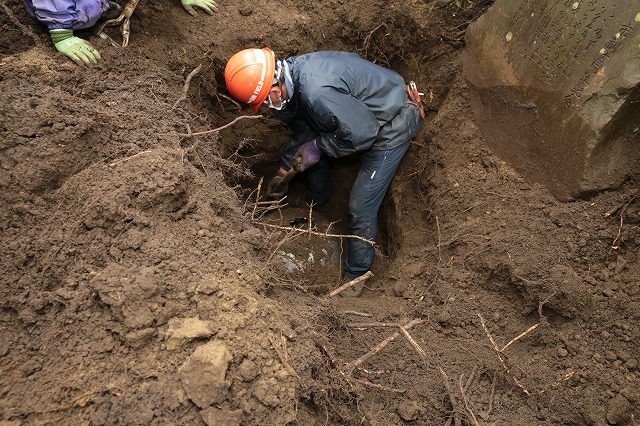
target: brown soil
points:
(115, 227)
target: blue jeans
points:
(377, 169)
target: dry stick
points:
(24, 29)
(376, 386)
(252, 117)
(502, 357)
(122, 160)
(255, 206)
(452, 397)
(415, 344)
(231, 100)
(471, 379)
(185, 89)
(351, 283)
(491, 396)
(282, 354)
(360, 314)
(520, 336)
(565, 377)
(320, 234)
(466, 402)
(380, 346)
(435, 278)
(371, 324)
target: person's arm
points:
(208, 6)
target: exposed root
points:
(505, 362)
(217, 129)
(351, 283)
(185, 89)
(380, 346)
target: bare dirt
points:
(128, 248)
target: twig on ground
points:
(376, 386)
(502, 357)
(122, 160)
(360, 314)
(320, 234)
(467, 405)
(415, 344)
(486, 414)
(371, 324)
(380, 346)
(455, 405)
(185, 88)
(281, 351)
(351, 283)
(520, 336)
(217, 129)
(231, 100)
(255, 206)
(435, 275)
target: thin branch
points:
(380, 346)
(520, 336)
(252, 117)
(320, 234)
(351, 283)
(185, 88)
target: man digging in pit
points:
(335, 104)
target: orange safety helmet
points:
(249, 75)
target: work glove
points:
(209, 6)
(307, 155)
(79, 50)
(277, 188)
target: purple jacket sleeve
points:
(67, 14)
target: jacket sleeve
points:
(299, 134)
(67, 14)
(346, 124)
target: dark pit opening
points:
(317, 260)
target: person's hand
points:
(278, 187)
(307, 155)
(79, 50)
(209, 6)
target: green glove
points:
(209, 6)
(79, 50)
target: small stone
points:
(605, 334)
(408, 410)
(620, 264)
(618, 410)
(248, 370)
(610, 356)
(631, 364)
(213, 416)
(562, 352)
(246, 10)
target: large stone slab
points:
(555, 88)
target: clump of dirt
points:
(145, 284)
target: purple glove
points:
(307, 155)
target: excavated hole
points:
(318, 259)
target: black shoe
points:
(112, 13)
